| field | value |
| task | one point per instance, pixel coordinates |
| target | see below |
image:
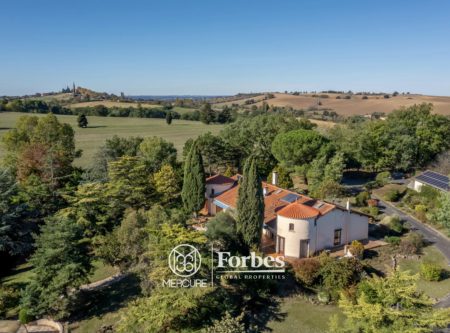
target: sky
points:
(217, 47)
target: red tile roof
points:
(219, 180)
(298, 211)
(272, 201)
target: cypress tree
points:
(250, 206)
(169, 117)
(193, 192)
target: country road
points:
(431, 235)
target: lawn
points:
(303, 316)
(101, 128)
(380, 259)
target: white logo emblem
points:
(185, 260)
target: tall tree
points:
(169, 117)
(193, 192)
(61, 264)
(82, 121)
(390, 304)
(207, 114)
(155, 151)
(250, 206)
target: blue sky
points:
(225, 47)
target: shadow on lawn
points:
(108, 299)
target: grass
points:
(380, 259)
(382, 191)
(18, 276)
(103, 307)
(303, 316)
(102, 271)
(102, 128)
(433, 289)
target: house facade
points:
(298, 225)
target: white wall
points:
(321, 233)
(354, 227)
(292, 238)
(218, 188)
(417, 185)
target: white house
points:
(299, 225)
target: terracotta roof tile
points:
(272, 201)
(298, 211)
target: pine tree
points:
(250, 206)
(61, 264)
(193, 192)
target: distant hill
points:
(355, 105)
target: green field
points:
(303, 316)
(101, 128)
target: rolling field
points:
(101, 128)
(110, 104)
(356, 105)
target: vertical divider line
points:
(212, 266)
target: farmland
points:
(101, 128)
(356, 105)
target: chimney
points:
(348, 205)
(275, 178)
(265, 190)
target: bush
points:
(392, 195)
(306, 270)
(24, 317)
(430, 271)
(421, 212)
(383, 178)
(393, 240)
(357, 249)
(411, 244)
(339, 274)
(396, 224)
(374, 211)
(365, 97)
(9, 298)
(361, 198)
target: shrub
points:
(421, 212)
(392, 195)
(357, 249)
(411, 244)
(365, 97)
(396, 224)
(374, 211)
(383, 178)
(338, 97)
(24, 317)
(306, 270)
(393, 240)
(386, 96)
(361, 198)
(338, 274)
(9, 298)
(430, 271)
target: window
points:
(212, 192)
(291, 226)
(337, 237)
